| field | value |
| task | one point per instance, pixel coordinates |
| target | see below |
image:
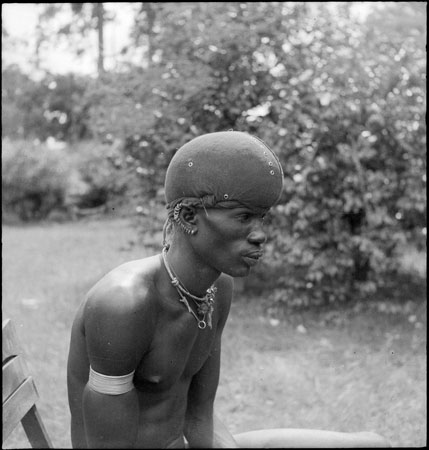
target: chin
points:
(238, 272)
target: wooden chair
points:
(19, 392)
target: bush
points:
(34, 180)
(98, 178)
(341, 103)
(38, 180)
(53, 106)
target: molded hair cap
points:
(227, 166)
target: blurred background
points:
(97, 97)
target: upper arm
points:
(115, 331)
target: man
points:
(144, 357)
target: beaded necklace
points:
(204, 304)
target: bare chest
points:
(178, 351)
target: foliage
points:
(341, 103)
(86, 17)
(98, 180)
(34, 179)
(38, 178)
(355, 122)
(54, 106)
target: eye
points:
(244, 218)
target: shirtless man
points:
(144, 357)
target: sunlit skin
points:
(132, 320)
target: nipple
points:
(154, 379)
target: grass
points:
(346, 369)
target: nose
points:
(257, 235)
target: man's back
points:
(131, 321)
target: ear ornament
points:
(178, 220)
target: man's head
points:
(222, 169)
(218, 188)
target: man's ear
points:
(188, 215)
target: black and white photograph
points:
(214, 225)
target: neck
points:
(194, 274)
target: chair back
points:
(19, 392)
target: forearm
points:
(199, 430)
(207, 431)
(222, 438)
(111, 421)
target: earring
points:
(178, 220)
(186, 228)
(176, 212)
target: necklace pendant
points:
(209, 317)
(204, 308)
(204, 304)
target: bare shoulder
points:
(119, 315)
(126, 287)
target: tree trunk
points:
(100, 30)
(150, 17)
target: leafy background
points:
(340, 98)
(341, 101)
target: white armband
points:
(111, 385)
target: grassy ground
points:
(361, 368)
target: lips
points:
(253, 257)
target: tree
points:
(95, 19)
(14, 84)
(341, 103)
(55, 22)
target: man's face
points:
(230, 240)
